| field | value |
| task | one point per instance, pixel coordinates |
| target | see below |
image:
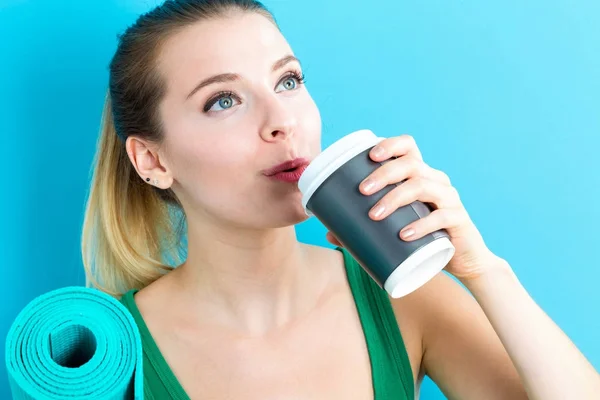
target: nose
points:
(280, 120)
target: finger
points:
(394, 171)
(422, 189)
(396, 147)
(332, 239)
(445, 218)
(397, 171)
(437, 175)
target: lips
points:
(287, 166)
(289, 171)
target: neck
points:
(250, 280)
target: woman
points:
(205, 99)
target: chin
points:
(291, 216)
(301, 218)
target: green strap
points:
(159, 380)
(390, 365)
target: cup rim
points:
(419, 267)
(332, 158)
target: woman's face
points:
(221, 137)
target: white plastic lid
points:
(333, 157)
(420, 267)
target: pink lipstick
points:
(289, 171)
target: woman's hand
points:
(552, 368)
(431, 186)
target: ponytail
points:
(127, 225)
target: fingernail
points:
(407, 232)
(378, 210)
(368, 185)
(378, 151)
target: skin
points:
(252, 311)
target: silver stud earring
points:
(155, 182)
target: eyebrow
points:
(230, 77)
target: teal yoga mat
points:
(74, 343)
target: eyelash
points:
(292, 74)
(295, 74)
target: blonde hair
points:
(133, 232)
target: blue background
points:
(502, 96)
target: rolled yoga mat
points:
(74, 343)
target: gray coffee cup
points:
(330, 192)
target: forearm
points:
(550, 365)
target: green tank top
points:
(391, 371)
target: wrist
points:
(496, 269)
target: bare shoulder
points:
(323, 254)
(427, 309)
(332, 260)
(461, 351)
(433, 299)
(438, 309)
(152, 301)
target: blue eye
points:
(291, 81)
(224, 100)
(289, 84)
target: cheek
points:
(213, 165)
(309, 108)
(310, 122)
(221, 157)
(214, 177)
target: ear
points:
(148, 163)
